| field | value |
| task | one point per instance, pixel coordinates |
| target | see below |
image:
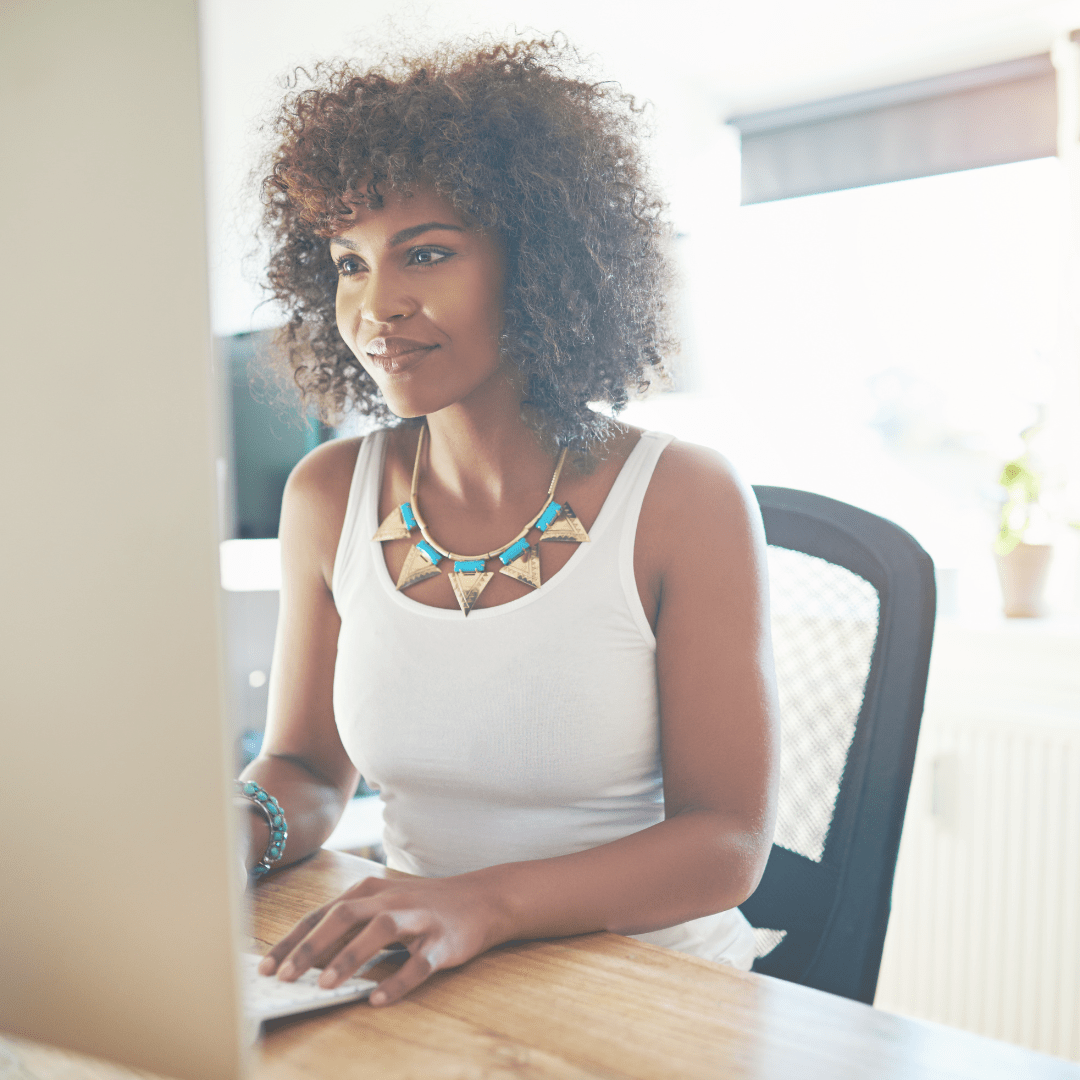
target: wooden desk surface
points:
(604, 1006)
(598, 1007)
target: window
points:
(883, 345)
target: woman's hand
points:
(443, 922)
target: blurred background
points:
(876, 210)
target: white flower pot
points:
(1023, 579)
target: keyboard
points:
(266, 997)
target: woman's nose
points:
(384, 298)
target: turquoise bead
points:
(250, 788)
(512, 552)
(407, 516)
(548, 516)
(429, 552)
(277, 821)
(469, 566)
(261, 796)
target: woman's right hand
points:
(442, 921)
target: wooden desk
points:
(586, 1008)
(604, 1006)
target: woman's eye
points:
(428, 256)
(347, 265)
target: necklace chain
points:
(415, 504)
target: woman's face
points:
(419, 301)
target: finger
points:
(355, 962)
(383, 929)
(274, 956)
(412, 973)
(270, 962)
(368, 886)
(342, 921)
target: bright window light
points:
(250, 566)
(882, 345)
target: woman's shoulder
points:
(325, 473)
(314, 503)
(689, 464)
(684, 470)
(697, 489)
(698, 531)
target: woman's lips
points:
(395, 354)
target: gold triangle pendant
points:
(393, 527)
(468, 587)
(566, 528)
(416, 568)
(525, 568)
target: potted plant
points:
(1022, 566)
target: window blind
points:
(985, 116)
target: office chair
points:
(852, 601)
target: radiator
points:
(985, 926)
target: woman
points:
(570, 736)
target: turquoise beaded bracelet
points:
(279, 832)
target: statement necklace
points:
(520, 559)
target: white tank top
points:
(527, 730)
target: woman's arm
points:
(700, 555)
(302, 762)
(700, 564)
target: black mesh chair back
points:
(852, 599)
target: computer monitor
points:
(119, 901)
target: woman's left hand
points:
(442, 921)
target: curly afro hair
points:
(526, 150)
